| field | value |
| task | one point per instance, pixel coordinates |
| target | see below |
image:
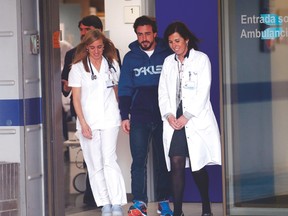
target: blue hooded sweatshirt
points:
(138, 83)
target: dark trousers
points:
(141, 134)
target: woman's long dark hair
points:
(184, 32)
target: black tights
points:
(201, 179)
(178, 182)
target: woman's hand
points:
(173, 122)
(182, 121)
(86, 131)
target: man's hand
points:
(66, 88)
(126, 126)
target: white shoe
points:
(106, 210)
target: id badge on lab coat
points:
(192, 81)
(189, 85)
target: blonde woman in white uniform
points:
(190, 131)
(93, 78)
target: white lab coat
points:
(202, 131)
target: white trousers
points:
(105, 176)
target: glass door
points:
(255, 106)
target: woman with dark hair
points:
(190, 132)
(93, 78)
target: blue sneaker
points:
(164, 209)
(139, 208)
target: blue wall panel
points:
(202, 19)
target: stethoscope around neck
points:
(93, 75)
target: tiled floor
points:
(190, 209)
(74, 205)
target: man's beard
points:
(150, 44)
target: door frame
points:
(52, 107)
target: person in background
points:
(86, 24)
(65, 46)
(138, 103)
(90, 22)
(191, 132)
(93, 79)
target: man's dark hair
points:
(145, 20)
(91, 20)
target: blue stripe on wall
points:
(20, 112)
(10, 112)
(33, 108)
(251, 92)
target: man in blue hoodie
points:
(141, 119)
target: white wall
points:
(121, 33)
(11, 64)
